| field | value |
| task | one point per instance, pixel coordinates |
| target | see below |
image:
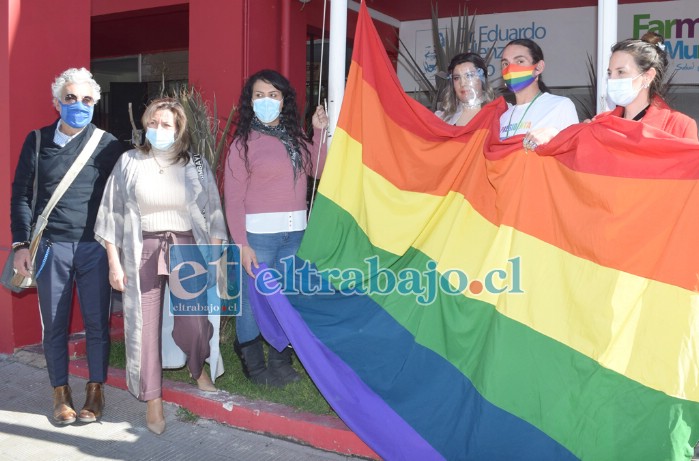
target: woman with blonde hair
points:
(158, 195)
(635, 85)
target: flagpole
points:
(606, 37)
(375, 15)
(336, 61)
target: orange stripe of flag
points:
(540, 196)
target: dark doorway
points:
(120, 95)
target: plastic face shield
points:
(468, 87)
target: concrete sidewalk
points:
(319, 431)
(26, 430)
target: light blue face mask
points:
(267, 109)
(76, 115)
(160, 139)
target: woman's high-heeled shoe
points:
(155, 420)
(204, 383)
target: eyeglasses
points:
(70, 98)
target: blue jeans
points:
(270, 249)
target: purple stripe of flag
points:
(367, 414)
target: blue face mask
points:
(76, 115)
(267, 109)
(160, 139)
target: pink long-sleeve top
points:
(270, 186)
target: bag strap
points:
(72, 173)
(37, 133)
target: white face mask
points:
(621, 91)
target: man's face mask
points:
(77, 114)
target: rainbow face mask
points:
(518, 77)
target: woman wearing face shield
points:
(635, 84)
(467, 91)
(537, 114)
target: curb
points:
(319, 431)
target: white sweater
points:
(160, 193)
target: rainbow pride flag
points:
(494, 304)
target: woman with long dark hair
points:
(537, 114)
(266, 180)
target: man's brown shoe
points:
(63, 412)
(94, 403)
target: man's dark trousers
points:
(86, 264)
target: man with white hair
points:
(68, 253)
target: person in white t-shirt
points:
(537, 114)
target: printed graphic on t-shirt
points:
(523, 125)
(546, 111)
